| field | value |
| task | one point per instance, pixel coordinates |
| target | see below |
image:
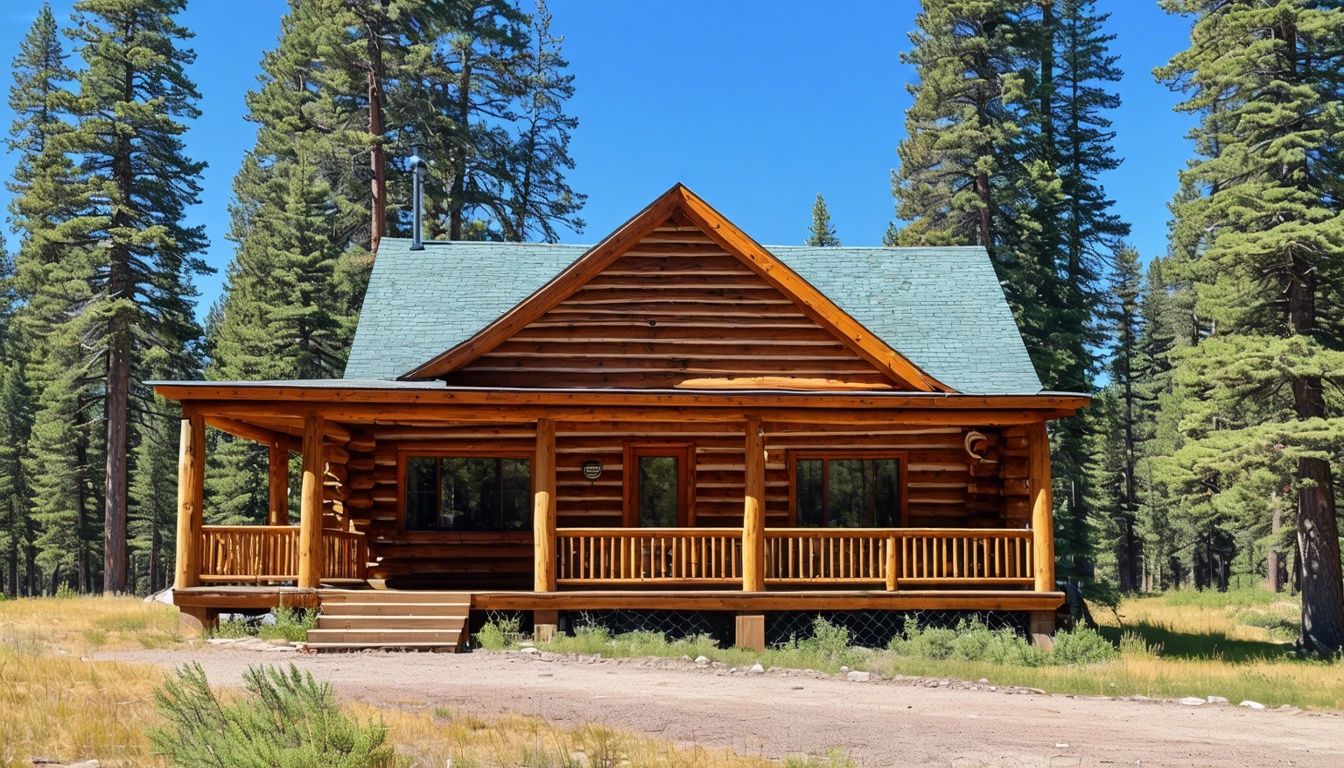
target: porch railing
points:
(665, 556)
(797, 557)
(249, 554)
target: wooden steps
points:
(356, 619)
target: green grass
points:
(290, 624)
(1236, 645)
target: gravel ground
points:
(905, 721)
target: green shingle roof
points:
(943, 308)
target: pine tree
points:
(538, 196)
(961, 124)
(485, 40)
(823, 231)
(134, 102)
(50, 402)
(1121, 418)
(1266, 81)
(1005, 139)
(280, 319)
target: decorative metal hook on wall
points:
(975, 445)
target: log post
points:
(893, 564)
(1042, 511)
(543, 508)
(278, 484)
(310, 504)
(753, 510)
(190, 501)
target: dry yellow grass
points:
(55, 705)
(63, 708)
(437, 737)
(77, 625)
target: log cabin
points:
(674, 419)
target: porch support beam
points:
(543, 507)
(753, 510)
(190, 501)
(278, 484)
(310, 504)
(1042, 511)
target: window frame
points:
(841, 454)
(407, 452)
(630, 456)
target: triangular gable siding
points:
(674, 311)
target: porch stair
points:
(358, 619)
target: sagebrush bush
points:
(287, 719)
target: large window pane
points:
(422, 506)
(658, 491)
(460, 493)
(808, 492)
(857, 493)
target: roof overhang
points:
(405, 397)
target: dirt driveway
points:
(879, 723)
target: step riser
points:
(384, 609)
(328, 596)
(444, 636)
(390, 622)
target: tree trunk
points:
(117, 395)
(12, 582)
(377, 158)
(1274, 559)
(458, 191)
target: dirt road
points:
(779, 713)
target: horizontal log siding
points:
(945, 488)
(675, 307)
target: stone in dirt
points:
(1251, 704)
(702, 660)
(530, 651)
(858, 677)
(757, 669)
(1193, 701)
(1215, 699)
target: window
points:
(845, 492)
(658, 484)
(468, 493)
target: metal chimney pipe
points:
(417, 199)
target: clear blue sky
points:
(756, 105)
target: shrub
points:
(916, 641)
(1081, 646)
(234, 627)
(288, 719)
(969, 641)
(500, 634)
(291, 624)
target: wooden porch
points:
(353, 528)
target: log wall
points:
(944, 486)
(675, 310)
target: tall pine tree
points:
(133, 105)
(1005, 138)
(1266, 80)
(53, 402)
